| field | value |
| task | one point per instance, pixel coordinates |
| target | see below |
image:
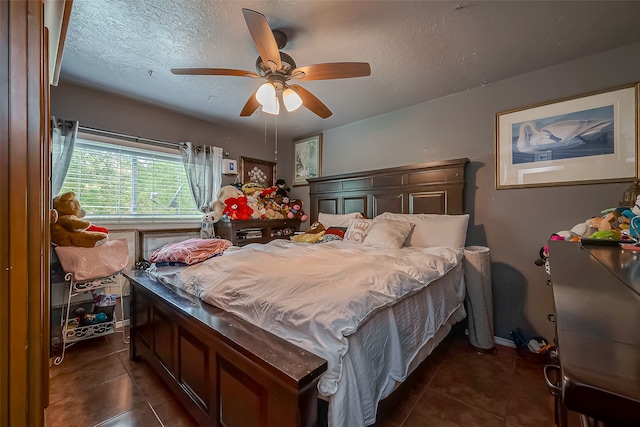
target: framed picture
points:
(259, 171)
(307, 157)
(581, 140)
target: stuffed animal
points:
(251, 187)
(269, 193)
(67, 226)
(237, 208)
(295, 210)
(608, 221)
(271, 213)
(218, 206)
(313, 234)
(282, 189)
(244, 210)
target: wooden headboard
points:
(436, 187)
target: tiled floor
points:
(97, 385)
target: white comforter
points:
(313, 295)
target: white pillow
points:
(357, 230)
(431, 230)
(387, 233)
(335, 220)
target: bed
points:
(248, 368)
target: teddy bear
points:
(218, 205)
(295, 210)
(271, 213)
(313, 234)
(237, 208)
(244, 210)
(67, 226)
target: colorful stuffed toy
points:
(251, 187)
(313, 234)
(237, 208)
(218, 206)
(295, 210)
(269, 193)
(67, 226)
(282, 189)
(244, 210)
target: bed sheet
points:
(319, 296)
(391, 344)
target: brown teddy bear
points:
(295, 210)
(313, 234)
(67, 226)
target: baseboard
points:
(505, 342)
(497, 340)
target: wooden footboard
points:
(225, 371)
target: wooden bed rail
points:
(224, 370)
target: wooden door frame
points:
(24, 219)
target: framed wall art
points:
(259, 171)
(307, 159)
(580, 140)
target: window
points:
(117, 180)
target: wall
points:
(513, 223)
(102, 110)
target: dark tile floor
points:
(97, 385)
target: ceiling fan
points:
(277, 69)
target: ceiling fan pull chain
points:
(276, 144)
(265, 129)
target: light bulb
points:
(291, 99)
(271, 106)
(265, 94)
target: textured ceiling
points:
(418, 50)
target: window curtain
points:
(204, 172)
(63, 138)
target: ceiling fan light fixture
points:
(291, 99)
(266, 94)
(271, 106)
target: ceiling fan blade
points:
(311, 102)
(263, 37)
(332, 70)
(213, 72)
(251, 106)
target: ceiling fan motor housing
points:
(288, 64)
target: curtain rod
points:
(132, 138)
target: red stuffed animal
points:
(244, 210)
(237, 208)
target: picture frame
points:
(586, 139)
(262, 172)
(307, 159)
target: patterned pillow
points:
(333, 234)
(358, 230)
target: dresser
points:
(243, 232)
(596, 291)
